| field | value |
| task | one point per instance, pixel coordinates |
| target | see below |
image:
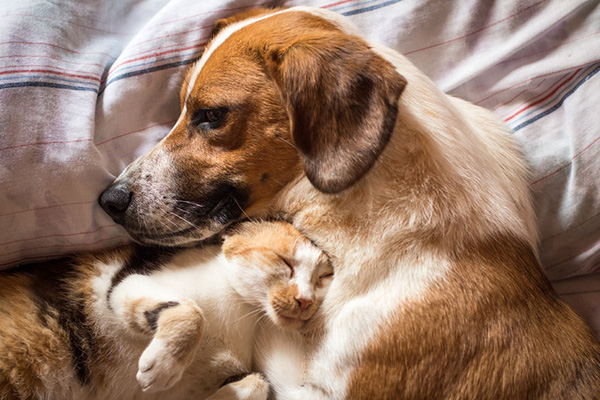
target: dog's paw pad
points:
(158, 369)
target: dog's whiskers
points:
(273, 179)
(191, 203)
(165, 225)
(183, 219)
(296, 148)
(241, 209)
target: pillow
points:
(87, 86)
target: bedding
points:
(87, 86)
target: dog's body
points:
(420, 199)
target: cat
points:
(194, 323)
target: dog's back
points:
(492, 329)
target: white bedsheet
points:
(87, 86)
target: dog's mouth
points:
(187, 222)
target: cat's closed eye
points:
(289, 265)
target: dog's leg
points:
(174, 325)
(252, 387)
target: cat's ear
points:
(342, 101)
(249, 252)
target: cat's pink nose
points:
(303, 303)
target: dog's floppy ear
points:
(342, 100)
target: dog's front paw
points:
(158, 368)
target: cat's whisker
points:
(251, 314)
(260, 318)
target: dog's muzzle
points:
(174, 219)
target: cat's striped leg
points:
(174, 325)
(251, 387)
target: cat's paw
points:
(158, 368)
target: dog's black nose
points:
(115, 200)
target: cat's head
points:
(278, 269)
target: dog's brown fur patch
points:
(492, 329)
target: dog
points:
(419, 198)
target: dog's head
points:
(276, 95)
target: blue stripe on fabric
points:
(47, 84)
(355, 4)
(557, 105)
(161, 60)
(558, 95)
(371, 8)
(147, 71)
(186, 62)
(54, 78)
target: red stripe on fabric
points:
(544, 240)
(530, 79)
(85, 140)
(550, 48)
(63, 235)
(65, 245)
(546, 97)
(59, 47)
(476, 31)
(139, 130)
(175, 47)
(520, 93)
(205, 39)
(173, 34)
(49, 71)
(569, 163)
(72, 141)
(65, 21)
(336, 4)
(552, 266)
(586, 148)
(48, 207)
(51, 58)
(40, 257)
(44, 143)
(219, 10)
(113, 70)
(51, 67)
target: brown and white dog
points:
(421, 200)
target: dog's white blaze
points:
(222, 36)
(218, 41)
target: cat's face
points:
(279, 270)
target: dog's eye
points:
(210, 118)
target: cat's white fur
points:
(236, 335)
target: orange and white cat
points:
(186, 324)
